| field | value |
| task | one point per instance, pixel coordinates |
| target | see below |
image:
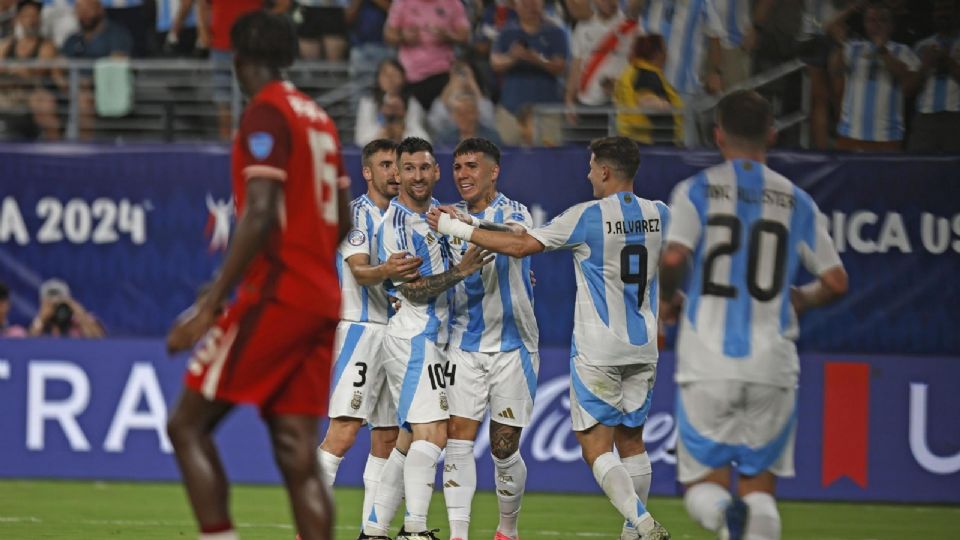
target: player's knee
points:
(504, 440)
(178, 430)
(294, 454)
(764, 520)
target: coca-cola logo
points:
(549, 437)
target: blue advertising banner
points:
(136, 230)
(97, 410)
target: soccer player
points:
(358, 391)
(415, 339)
(743, 230)
(272, 346)
(616, 244)
(493, 350)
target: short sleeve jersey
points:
(493, 308)
(361, 304)
(404, 231)
(616, 243)
(286, 137)
(749, 230)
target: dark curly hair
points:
(480, 146)
(618, 153)
(261, 38)
(412, 145)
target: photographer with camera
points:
(60, 315)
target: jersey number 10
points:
(757, 230)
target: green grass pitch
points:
(94, 510)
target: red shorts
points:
(268, 354)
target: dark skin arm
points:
(257, 222)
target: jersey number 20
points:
(757, 230)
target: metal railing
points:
(593, 122)
(173, 100)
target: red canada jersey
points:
(285, 136)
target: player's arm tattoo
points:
(504, 440)
(427, 287)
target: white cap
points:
(54, 289)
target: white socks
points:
(371, 479)
(511, 481)
(641, 472)
(389, 494)
(329, 464)
(763, 522)
(459, 485)
(616, 483)
(705, 503)
(419, 473)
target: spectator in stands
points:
(98, 37)
(465, 113)
(937, 120)
(8, 12)
(388, 109)
(463, 80)
(531, 55)
(218, 16)
(599, 51)
(183, 41)
(59, 20)
(682, 24)
(33, 88)
(425, 32)
(60, 315)
(132, 15)
(644, 86)
(877, 74)
(817, 39)
(8, 330)
(323, 30)
(493, 18)
(366, 19)
(733, 32)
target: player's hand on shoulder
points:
(474, 259)
(189, 327)
(433, 215)
(402, 266)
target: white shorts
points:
(610, 395)
(358, 383)
(417, 378)
(748, 426)
(506, 382)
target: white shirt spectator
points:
(603, 55)
(369, 121)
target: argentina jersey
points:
(616, 244)
(681, 23)
(361, 304)
(404, 231)
(729, 21)
(873, 98)
(941, 92)
(749, 230)
(494, 307)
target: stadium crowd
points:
(883, 73)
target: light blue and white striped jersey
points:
(749, 229)
(117, 4)
(729, 21)
(616, 245)
(493, 308)
(872, 98)
(404, 231)
(817, 14)
(167, 11)
(682, 24)
(941, 92)
(361, 304)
